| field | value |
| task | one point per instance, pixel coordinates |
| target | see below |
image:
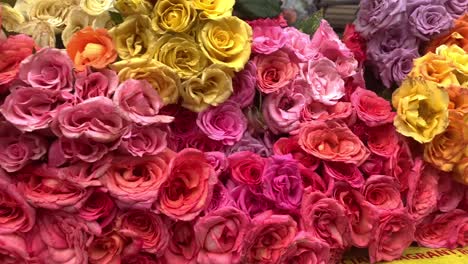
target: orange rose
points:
(458, 35)
(89, 47)
(461, 170)
(458, 97)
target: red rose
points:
(247, 168)
(382, 140)
(371, 108)
(291, 146)
(355, 42)
(450, 193)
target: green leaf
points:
(253, 9)
(116, 17)
(309, 25)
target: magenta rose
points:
(383, 192)
(291, 146)
(371, 108)
(247, 168)
(17, 215)
(306, 249)
(98, 207)
(267, 39)
(13, 249)
(382, 140)
(91, 83)
(30, 109)
(269, 235)
(139, 102)
(250, 202)
(81, 148)
(49, 69)
(146, 227)
(136, 182)
(220, 199)
(220, 235)
(96, 118)
(243, 84)
(107, 249)
(344, 172)
(183, 247)
(421, 199)
(318, 209)
(142, 141)
(394, 233)
(225, 123)
(450, 193)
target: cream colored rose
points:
(160, 76)
(54, 12)
(42, 32)
(181, 53)
(96, 7)
(132, 7)
(212, 87)
(226, 41)
(78, 19)
(211, 9)
(11, 18)
(173, 15)
(134, 37)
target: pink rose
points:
(383, 140)
(318, 209)
(344, 172)
(383, 192)
(394, 234)
(136, 182)
(13, 50)
(91, 83)
(189, 187)
(225, 123)
(371, 108)
(183, 247)
(96, 118)
(220, 235)
(275, 71)
(218, 160)
(299, 44)
(282, 111)
(268, 236)
(243, 84)
(247, 168)
(401, 164)
(139, 102)
(374, 165)
(326, 84)
(249, 201)
(269, 22)
(30, 109)
(17, 215)
(107, 249)
(142, 141)
(50, 69)
(85, 174)
(201, 141)
(98, 207)
(144, 226)
(421, 199)
(306, 249)
(291, 146)
(13, 249)
(318, 111)
(267, 39)
(220, 199)
(142, 258)
(312, 181)
(18, 149)
(450, 193)
(81, 148)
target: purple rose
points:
(90, 84)
(426, 21)
(225, 123)
(456, 8)
(397, 65)
(249, 202)
(249, 143)
(243, 84)
(376, 15)
(140, 141)
(283, 182)
(384, 42)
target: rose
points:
(344, 172)
(267, 39)
(299, 43)
(90, 84)
(225, 247)
(377, 16)
(136, 182)
(247, 168)
(457, 57)
(173, 15)
(450, 194)
(243, 84)
(421, 199)
(188, 189)
(49, 69)
(394, 234)
(327, 86)
(202, 142)
(134, 37)
(212, 87)
(436, 68)
(214, 9)
(145, 226)
(249, 143)
(370, 108)
(318, 111)
(106, 249)
(382, 140)
(80, 148)
(455, 36)
(461, 170)
(83, 173)
(275, 71)
(456, 8)
(355, 42)
(11, 18)
(13, 50)
(218, 160)
(17, 215)
(221, 198)
(318, 209)
(95, 7)
(397, 65)
(374, 165)
(133, 7)
(429, 20)
(161, 77)
(421, 109)
(13, 249)
(98, 207)
(53, 12)
(268, 237)
(290, 146)
(400, 164)
(225, 123)
(142, 258)
(181, 53)
(282, 110)
(226, 41)
(183, 247)
(96, 118)
(306, 249)
(144, 141)
(313, 182)
(383, 192)
(332, 141)
(78, 19)
(249, 201)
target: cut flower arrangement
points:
(180, 133)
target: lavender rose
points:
(397, 65)
(456, 8)
(427, 21)
(376, 15)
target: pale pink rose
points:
(275, 71)
(183, 247)
(267, 39)
(95, 83)
(371, 108)
(142, 141)
(81, 148)
(30, 109)
(17, 215)
(394, 233)
(136, 182)
(267, 238)
(96, 118)
(189, 187)
(421, 199)
(299, 43)
(348, 173)
(383, 192)
(13, 249)
(220, 235)
(243, 84)
(98, 207)
(450, 193)
(326, 84)
(107, 249)
(139, 102)
(306, 249)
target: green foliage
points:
(309, 25)
(253, 9)
(116, 17)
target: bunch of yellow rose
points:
(187, 49)
(432, 108)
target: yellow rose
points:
(11, 18)
(211, 9)
(181, 53)
(132, 7)
(460, 171)
(78, 19)
(173, 15)
(421, 109)
(212, 87)
(436, 68)
(134, 37)
(456, 55)
(96, 7)
(226, 41)
(160, 76)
